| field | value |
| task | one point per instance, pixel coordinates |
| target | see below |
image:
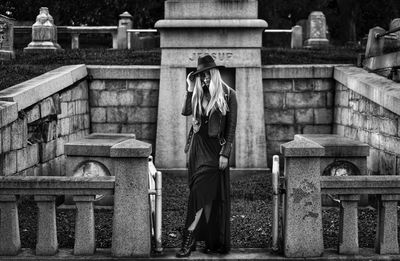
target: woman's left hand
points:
(223, 162)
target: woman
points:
(213, 106)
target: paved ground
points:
(236, 254)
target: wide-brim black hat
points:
(205, 63)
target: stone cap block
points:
(336, 145)
(8, 113)
(211, 9)
(212, 23)
(376, 88)
(131, 149)
(95, 144)
(130, 72)
(302, 149)
(289, 71)
(32, 91)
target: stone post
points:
(348, 226)
(10, 243)
(44, 33)
(131, 235)
(374, 45)
(386, 231)
(85, 243)
(125, 23)
(303, 214)
(297, 37)
(75, 41)
(47, 244)
(6, 38)
(316, 33)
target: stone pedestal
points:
(374, 44)
(44, 33)
(85, 242)
(231, 33)
(348, 234)
(125, 23)
(47, 243)
(10, 243)
(316, 31)
(6, 38)
(303, 215)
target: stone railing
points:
(126, 161)
(296, 35)
(304, 161)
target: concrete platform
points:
(258, 254)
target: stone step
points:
(258, 254)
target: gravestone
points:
(316, 31)
(125, 23)
(395, 39)
(230, 32)
(6, 38)
(44, 33)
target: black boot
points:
(188, 244)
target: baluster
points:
(47, 244)
(348, 224)
(386, 230)
(75, 41)
(10, 243)
(84, 226)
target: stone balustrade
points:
(45, 190)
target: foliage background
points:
(348, 20)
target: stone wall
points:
(367, 109)
(298, 99)
(38, 116)
(124, 99)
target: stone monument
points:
(316, 31)
(44, 33)
(395, 39)
(231, 33)
(6, 38)
(125, 23)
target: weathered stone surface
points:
(303, 215)
(8, 113)
(279, 116)
(306, 100)
(84, 226)
(117, 115)
(47, 243)
(18, 134)
(316, 31)
(98, 114)
(6, 139)
(125, 22)
(317, 129)
(126, 72)
(280, 132)
(304, 116)
(323, 116)
(277, 85)
(131, 230)
(140, 84)
(9, 163)
(289, 71)
(386, 232)
(131, 148)
(387, 163)
(33, 114)
(142, 115)
(7, 38)
(106, 127)
(10, 243)
(297, 37)
(32, 91)
(48, 150)
(348, 236)
(273, 100)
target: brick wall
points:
(367, 109)
(124, 99)
(38, 117)
(297, 99)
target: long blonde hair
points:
(217, 99)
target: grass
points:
(250, 218)
(27, 66)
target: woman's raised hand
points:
(190, 82)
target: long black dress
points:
(208, 185)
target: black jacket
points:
(220, 126)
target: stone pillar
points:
(44, 33)
(47, 244)
(348, 225)
(250, 131)
(386, 231)
(303, 213)
(10, 243)
(85, 243)
(6, 38)
(75, 41)
(171, 138)
(131, 235)
(375, 45)
(297, 37)
(316, 33)
(125, 23)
